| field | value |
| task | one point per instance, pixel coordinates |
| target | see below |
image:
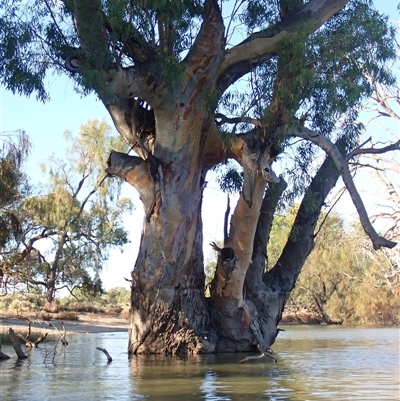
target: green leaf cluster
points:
(231, 179)
(320, 80)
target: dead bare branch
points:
(363, 151)
(109, 359)
(3, 355)
(62, 335)
(343, 168)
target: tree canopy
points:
(328, 53)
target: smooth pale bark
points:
(230, 308)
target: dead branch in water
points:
(63, 336)
(109, 359)
(269, 354)
(3, 355)
(16, 344)
(29, 343)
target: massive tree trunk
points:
(169, 311)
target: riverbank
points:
(86, 323)
(294, 315)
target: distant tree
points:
(68, 230)
(116, 296)
(14, 148)
(186, 91)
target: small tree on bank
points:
(66, 232)
(167, 73)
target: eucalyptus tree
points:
(190, 85)
(68, 229)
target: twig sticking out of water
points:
(29, 343)
(51, 354)
(269, 354)
(109, 359)
(62, 335)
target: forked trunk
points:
(169, 310)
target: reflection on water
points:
(314, 363)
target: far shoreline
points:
(87, 323)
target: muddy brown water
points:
(314, 363)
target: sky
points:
(67, 110)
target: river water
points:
(314, 363)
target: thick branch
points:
(262, 46)
(343, 168)
(133, 42)
(130, 82)
(210, 40)
(109, 358)
(16, 344)
(301, 239)
(135, 171)
(375, 151)
(236, 120)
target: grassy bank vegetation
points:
(114, 302)
(344, 280)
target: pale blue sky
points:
(66, 110)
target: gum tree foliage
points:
(67, 230)
(190, 85)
